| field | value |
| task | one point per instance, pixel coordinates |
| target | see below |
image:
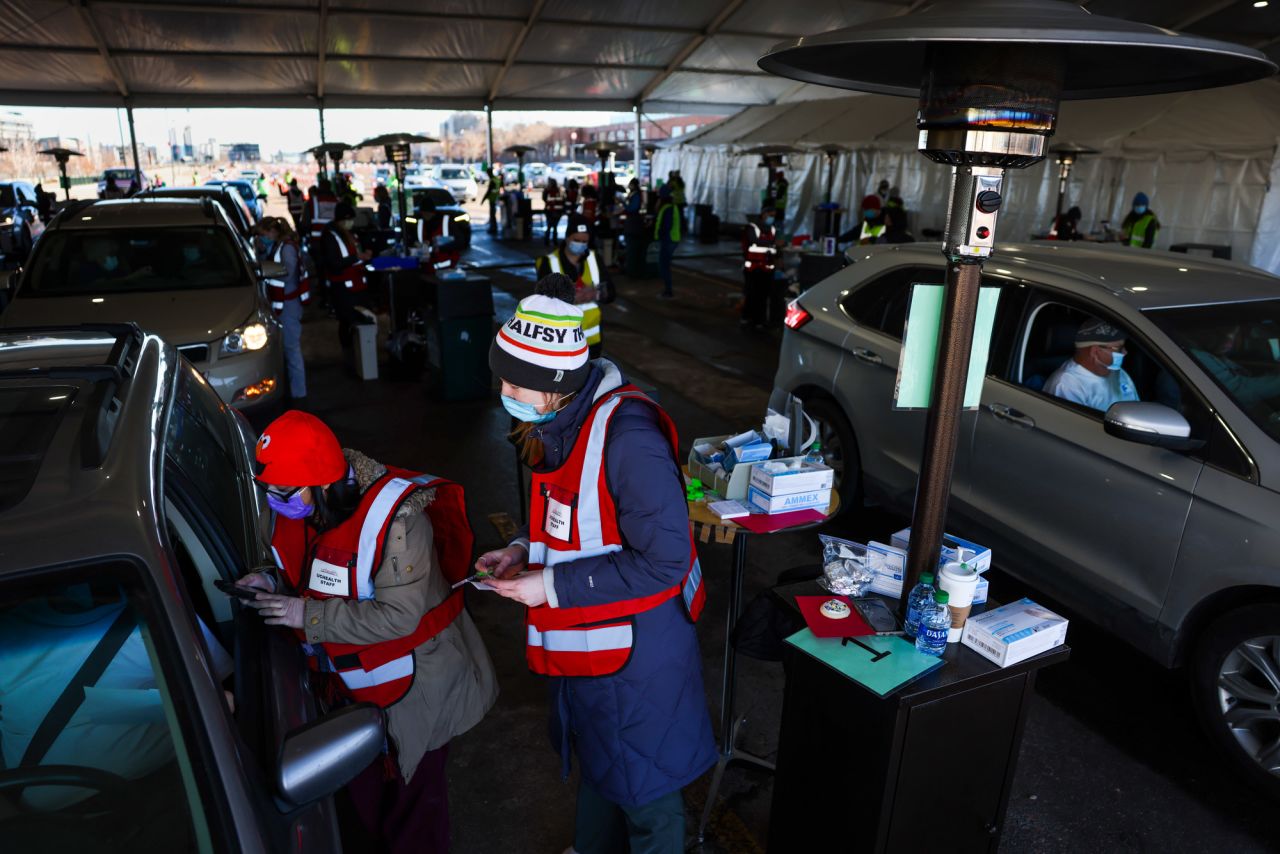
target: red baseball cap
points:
(871, 203)
(298, 449)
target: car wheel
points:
(839, 450)
(1235, 685)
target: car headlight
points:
(462, 218)
(254, 336)
(8, 220)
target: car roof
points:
(101, 454)
(1142, 278)
(139, 211)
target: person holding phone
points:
(610, 575)
(365, 557)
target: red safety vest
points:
(553, 201)
(572, 516)
(275, 287)
(758, 249)
(322, 207)
(351, 274)
(343, 563)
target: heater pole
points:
(942, 424)
(1064, 172)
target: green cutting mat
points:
(882, 676)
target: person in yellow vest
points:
(576, 259)
(1141, 226)
(365, 555)
(666, 231)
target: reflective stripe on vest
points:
(357, 680)
(591, 314)
(351, 276)
(276, 287)
(759, 254)
(870, 232)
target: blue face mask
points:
(526, 412)
(191, 254)
(292, 508)
(576, 247)
(768, 220)
(267, 243)
(110, 263)
(870, 214)
(1117, 359)
(1139, 209)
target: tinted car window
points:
(7, 197)
(198, 442)
(436, 197)
(129, 260)
(28, 419)
(882, 302)
(116, 735)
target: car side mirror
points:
(272, 270)
(320, 758)
(1150, 424)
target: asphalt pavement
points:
(1111, 759)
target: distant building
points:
(242, 152)
(565, 143)
(15, 131)
(459, 123)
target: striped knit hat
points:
(542, 346)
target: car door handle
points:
(1013, 416)
(862, 354)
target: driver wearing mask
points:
(576, 259)
(1094, 376)
(102, 263)
(366, 555)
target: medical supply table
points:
(699, 514)
(928, 766)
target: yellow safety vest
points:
(590, 310)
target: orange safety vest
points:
(759, 253)
(351, 275)
(589, 209)
(572, 516)
(343, 563)
(275, 287)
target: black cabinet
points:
(927, 768)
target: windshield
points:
(436, 197)
(119, 175)
(246, 192)
(1238, 345)
(453, 173)
(83, 697)
(71, 262)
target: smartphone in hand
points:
(231, 589)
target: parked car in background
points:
(536, 173)
(457, 179)
(127, 495)
(177, 268)
(115, 183)
(1155, 519)
(453, 218)
(20, 222)
(230, 199)
(247, 190)
(417, 177)
(562, 172)
(383, 175)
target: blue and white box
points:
(816, 499)
(1014, 632)
(959, 550)
(791, 475)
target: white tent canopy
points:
(1204, 158)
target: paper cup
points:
(960, 582)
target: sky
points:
(273, 130)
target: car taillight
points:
(796, 316)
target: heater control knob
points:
(988, 201)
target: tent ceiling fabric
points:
(456, 54)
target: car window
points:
(435, 197)
(126, 780)
(7, 197)
(199, 443)
(882, 302)
(452, 173)
(131, 260)
(29, 416)
(1049, 343)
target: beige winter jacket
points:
(454, 684)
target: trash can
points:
(459, 326)
(709, 228)
(364, 340)
(524, 218)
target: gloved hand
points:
(279, 610)
(258, 581)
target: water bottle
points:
(920, 594)
(815, 454)
(935, 622)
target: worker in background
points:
(288, 295)
(884, 190)
(318, 213)
(342, 261)
(1067, 225)
(346, 192)
(667, 230)
(365, 558)
(434, 230)
(610, 578)
(872, 226)
(552, 210)
(775, 194)
(493, 192)
(633, 215)
(679, 198)
(897, 223)
(588, 211)
(295, 201)
(760, 262)
(572, 199)
(1141, 226)
(575, 258)
(382, 201)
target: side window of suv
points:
(881, 303)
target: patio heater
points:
(520, 151)
(773, 158)
(333, 151)
(989, 75)
(604, 152)
(62, 155)
(397, 148)
(1066, 156)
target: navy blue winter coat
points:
(644, 731)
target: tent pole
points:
(488, 139)
(133, 142)
(639, 132)
(324, 169)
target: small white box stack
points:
(1014, 632)
(780, 486)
